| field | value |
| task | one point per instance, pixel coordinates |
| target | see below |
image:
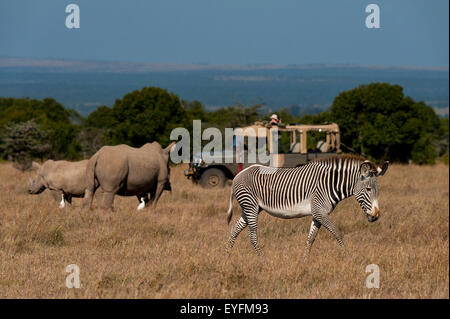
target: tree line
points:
(376, 120)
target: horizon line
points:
(50, 62)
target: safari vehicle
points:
(293, 151)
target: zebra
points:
(313, 189)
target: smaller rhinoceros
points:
(63, 178)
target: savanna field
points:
(178, 249)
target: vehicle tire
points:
(213, 178)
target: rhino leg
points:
(108, 200)
(56, 195)
(88, 198)
(158, 192)
(68, 198)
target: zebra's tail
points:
(230, 208)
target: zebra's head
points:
(367, 188)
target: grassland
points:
(177, 250)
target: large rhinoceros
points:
(64, 179)
(128, 171)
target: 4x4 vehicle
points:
(225, 166)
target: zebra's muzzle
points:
(374, 215)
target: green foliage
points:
(195, 110)
(96, 130)
(320, 118)
(91, 139)
(21, 142)
(444, 159)
(233, 116)
(51, 117)
(147, 115)
(442, 142)
(102, 117)
(378, 121)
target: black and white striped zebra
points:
(313, 189)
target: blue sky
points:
(412, 33)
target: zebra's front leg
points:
(326, 221)
(235, 231)
(313, 230)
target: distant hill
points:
(302, 88)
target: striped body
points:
(313, 190)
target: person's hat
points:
(274, 116)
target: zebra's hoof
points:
(228, 248)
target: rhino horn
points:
(170, 148)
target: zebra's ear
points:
(365, 169)
(382, 170)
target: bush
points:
(50, 116)
(21, 142)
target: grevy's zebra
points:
(312, 189)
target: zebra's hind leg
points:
(252, 220)
(235, 231)
(315, 226)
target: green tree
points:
(96, 130)
(102, 117)
(233, 116)
(195, 110)
(378, 121)
(147, 115)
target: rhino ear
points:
(170, 148)
(382, 170)
(35, 165)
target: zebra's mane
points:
(340, 158)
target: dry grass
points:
(177, 251)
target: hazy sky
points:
(412, 32)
